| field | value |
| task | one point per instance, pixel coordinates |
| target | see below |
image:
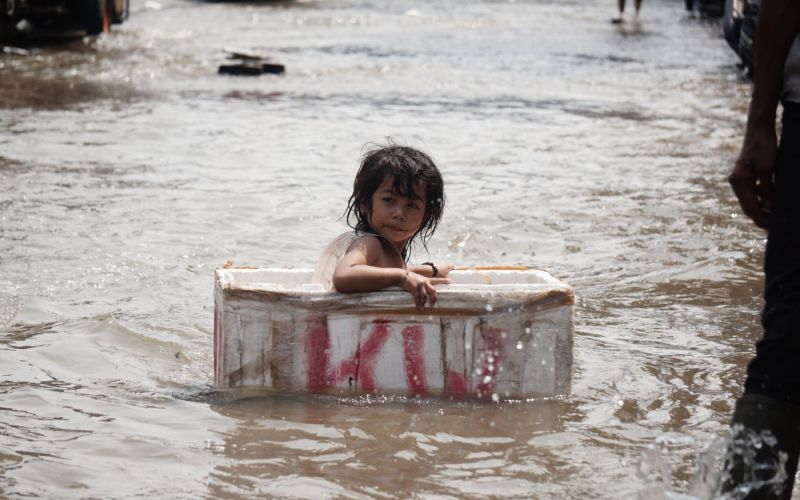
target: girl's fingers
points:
(425, 292)
(422, 296)
(432, 294)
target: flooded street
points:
(130, 170)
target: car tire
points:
(95, 16)
(731, 26)
(5, 22)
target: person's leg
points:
(638, 5)
(621, 6)
(774, 370)
(772, 390)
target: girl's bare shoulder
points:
(368, 244)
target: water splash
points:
(752, 455)
(654, 472)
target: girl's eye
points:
(388, 199)
(413, 205)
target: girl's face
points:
(395, 217)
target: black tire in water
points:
(731, 26)
(95, 16)
(7, 11)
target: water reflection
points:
(387, 445)
(62, 75)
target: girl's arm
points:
(356, 271)
(427, 271)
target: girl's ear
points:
(362, 209)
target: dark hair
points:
(406, 167)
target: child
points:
(398, 195)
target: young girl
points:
(398, 195)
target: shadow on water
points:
(256, 396)
(50, 94)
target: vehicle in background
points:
(708, 8)
(739, 27)
(32, 17)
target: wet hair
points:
(406, 167)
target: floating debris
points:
(250, 64)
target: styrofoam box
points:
(492, 334)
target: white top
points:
(326, 265)
(791, 74)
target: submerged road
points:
(130, 170)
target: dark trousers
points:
(775, 371)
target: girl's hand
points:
(444, 270)
(422, 288)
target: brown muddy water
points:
(130, 170)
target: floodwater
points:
(130, 170)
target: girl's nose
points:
(398, 214)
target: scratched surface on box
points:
(485, 340)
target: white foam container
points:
(492, 333)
